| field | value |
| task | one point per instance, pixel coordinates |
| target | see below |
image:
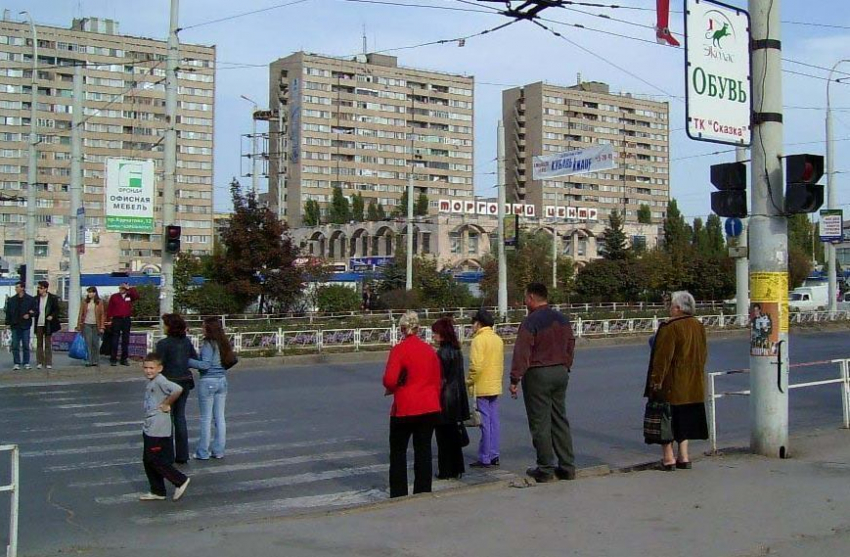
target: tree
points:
(714, 232)
(186, 267)
(148, 303)
(400, 210)
(599, 280)
(677, 245)
(421, 208)
(258, 258)
(212, 298)
(340, 210)
(799, 266)
(615, 244)
(801, 235)
(644, 214)
(372, 211)
(382, 214)
(312, 213)
(357, 207)
(337, 298)
(699, 238)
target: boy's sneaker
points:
(27, 366)
(178, 493)
(38, 366)
(151, 497)
(49, 366)
(16, 367)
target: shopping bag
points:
(106, 342)
(657, 423)
(78, 349)
(474, 419)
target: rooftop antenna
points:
(365, 47)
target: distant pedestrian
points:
(158, 456)
(119, 313)
(543, 356)
(175, 351)
(90, 322)
(412, 377)
(368, 299)
(21, 311)
(453, 401)
(46, 324)
(486, 373)
(216, 357)
(676, 376)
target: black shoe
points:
(494, 462)
(125, 363)
(113, 364)
(181, 461)
(479, 464)
(684, 465)
(539, 475)
(668, 467)
(448, 476)
(565, 473)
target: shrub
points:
(337, 298)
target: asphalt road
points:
(315, 437)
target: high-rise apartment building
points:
(124, 115)
(542, 119)
(364, 124)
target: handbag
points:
(657, 423)
(474, 419)
(231, 363)
(464, 436)
(78, 349)
(106, 342)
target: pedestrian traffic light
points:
(731, 179)
(802, 192)
(22, 271)
(172, 239)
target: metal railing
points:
(14, 489)
(712, 395)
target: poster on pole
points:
(511, 224)
(580, 161)
(718, 84)
(129, 195)
(81, 230)
(831, 225)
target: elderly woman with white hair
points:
(676, 375)
(413, 378)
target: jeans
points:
(92, 336)
(21, 337)
(421, 428)
(488, 448)
(43, 348)
(544, 393)
(181, 430)
(121, 327)
(158, 458)
(212, 394)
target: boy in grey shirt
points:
(158, 457)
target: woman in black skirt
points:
(676, 375)
(453, 401)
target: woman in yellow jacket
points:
(486, 370)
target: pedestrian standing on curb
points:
(175, 351)
(90, 322)
(412, 377)
(486, 372)
(543, 356)
(676, 375)
(46, 324)
(119, 313)
(454, 402)
(21, 311)
(158, 455)
(216, 357)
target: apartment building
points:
(364, 124)
(543, 119)
(124, 115)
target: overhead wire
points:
(239, 15)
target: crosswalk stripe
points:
(93, 414)
(267, 483)
(87, 426)
(71, 383)
(230, 452)
(50, 392)
(340, 499)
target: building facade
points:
(364, 125)
(542, 119)
(124, 117)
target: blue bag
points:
(78, 349)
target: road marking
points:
(340, 499)
(60, 406)
(106, 380)
(42, 393)
(93, 414)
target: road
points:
(315, 437)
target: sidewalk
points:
(733, 505)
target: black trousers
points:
(449, 451)
(544, 392)
(421, 428)
(120, 328)
(158, 458)
(181, 430)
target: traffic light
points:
(172, 238)
(22, 271)
(802, 192)
(731, 179)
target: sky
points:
(618, 49)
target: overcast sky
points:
(814, 32)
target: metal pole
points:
(555, 245)
(742, 264)
(16, 501)
(768, 231)
(408, 285)
(166, 299)
(831, 189)
(253, 144)
(76, 197)
(503, 266)
(32, 174)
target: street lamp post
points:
(831, 188)
(253, 144)
(32, 175)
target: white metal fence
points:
(14, 489)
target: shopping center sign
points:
(717, 62)
(129, 195)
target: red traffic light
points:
(803, 169)
(172, 232)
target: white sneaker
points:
(151, 497)
(38, 366)
(27, 366)
(178, 493)
(16, 367)
(49, 367)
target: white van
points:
(809, 298)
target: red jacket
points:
(418, 366)
(121, 305)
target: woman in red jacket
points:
(412, 376)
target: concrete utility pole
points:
(742, 264)
(166, 298)
(503, 265)
(254, 177)
(768, 232)
(555, 239)
(831, 189)
(76, 197)
(408, 284)
(32, 174)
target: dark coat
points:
(52, 309)
(453, 397)
(175, 353)
(677, 362)
(16, 307)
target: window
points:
(454, 241)
(42, 249)
(472, 245)
(13, 248)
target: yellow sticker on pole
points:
(769, 287)
(768, 311)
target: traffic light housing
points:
(731, 181)
(802, 192)
(22, 271)
(172, 238)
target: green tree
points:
(357, 208)
(716, 239)
(212, 298)
(803, 235)
(600, 280)
(382, 214)
(644, 214)
(186, 267)
(421, 208)
(148, 303)
(372, 211)
(616, 247)
(699, 238)
(799, 266)
(312, 213)
(340, 210)
(336, 298)
(677, 245)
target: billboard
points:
(580, 161)
(129, 195)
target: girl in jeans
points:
(216, 355)
(90, 322)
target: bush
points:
(337, 298)
(148, 303)
(401, 299)
(212, 298)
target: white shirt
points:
(42, 308)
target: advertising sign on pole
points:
(718, 88)
(831, 225)
(81, 230)
(581, 161)
(129, 195)
(511, 224)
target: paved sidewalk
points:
(733, 505)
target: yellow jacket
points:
(486, 363)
